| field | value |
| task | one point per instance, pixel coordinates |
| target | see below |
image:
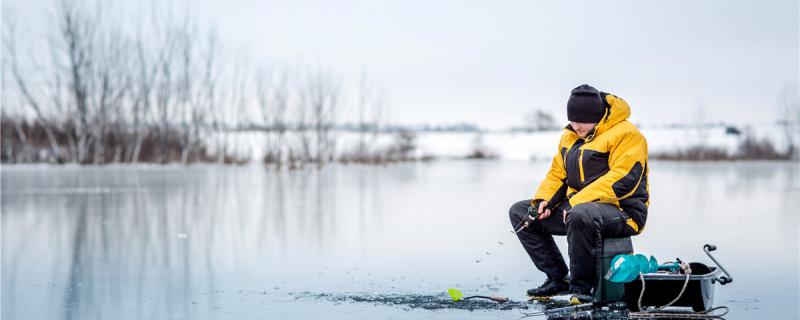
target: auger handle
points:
(724, 279)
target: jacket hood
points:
(618, 111)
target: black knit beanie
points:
(585, 105)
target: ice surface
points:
(209, 242)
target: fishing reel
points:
(533, 215)
(533, 211)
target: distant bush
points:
(749, 148)
(480, 150)
(752, 148)
(480, 155)
(694, 153)
(405, 144)
(27, 142)
(402, 149)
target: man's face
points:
(582, 129)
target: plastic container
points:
(661, 288)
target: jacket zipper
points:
(580, 166)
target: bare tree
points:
(142, 95)
(234, 111)
(112, 79)
(205, 95)
(77, 33)
(186, 88)
(789, 104)
(11, 61)
(273, 98)
(370, 107)
(320, 96)
(165, 93)
(155, 89)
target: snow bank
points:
(521, 146)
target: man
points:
(596, 188)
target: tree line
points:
(106, 87)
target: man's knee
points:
(581, 215)
(518, 210)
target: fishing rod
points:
(458, 296)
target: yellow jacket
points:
(609, 166)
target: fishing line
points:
(456, 295)
(514, 231)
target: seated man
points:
(596, 188)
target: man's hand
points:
(543, 211)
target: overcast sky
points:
(490, 62)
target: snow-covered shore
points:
(505, 145)
(535, 145)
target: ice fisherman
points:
(596, 188)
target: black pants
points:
(586, 226)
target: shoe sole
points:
(547, 297)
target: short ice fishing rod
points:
(458, 296)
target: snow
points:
(506, 145)
(539, 146)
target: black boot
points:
(550, 287)
(580, 296)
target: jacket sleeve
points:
(627, 162)
(554, 186)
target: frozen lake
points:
(208, 242)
